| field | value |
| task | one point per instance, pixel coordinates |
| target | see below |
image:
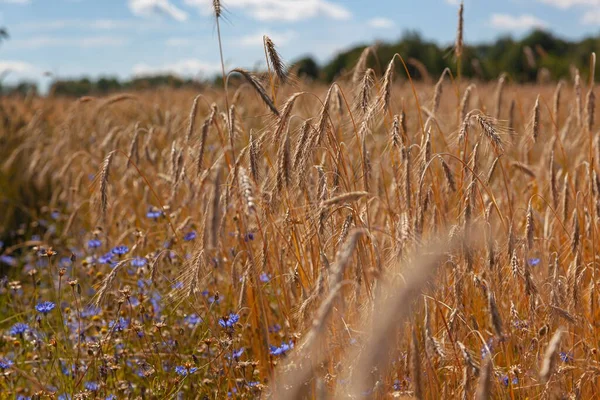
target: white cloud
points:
(108, 24)
(82, 42)
(381, 22)
(453, 2)
(97, 24)
(14, 69)
(256, 39)
(189, 67)
(591, 17)
(281, 10)
(521, 22)
(147, 8)
(20, 67)
(564, 4)
(16, 1)
(181, 42)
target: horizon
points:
(72, 39)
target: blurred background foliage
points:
(539, 56)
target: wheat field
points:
(377, 238)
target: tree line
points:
(539, 56)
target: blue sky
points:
(123, 38)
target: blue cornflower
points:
(249, 236)
(90, 311)
(5, 363)
(65, 262)
(45, 307)
(253, 383)
(487, 349)
(192, 320)
(106, 258)
(21, 397)
(155, 301)
(264, 277)
(183, 371)
(120, 250)
(275, 328)
(18, 329)
(154, 213)
(94, 243)
(520, 324)
(139, 262)
(119, 325)
(177, 285)
(8, 260)
(534, 261)
(566, 357)
(237, 354)
(504, 380)
(65, 369)
(281, 350)
(55, 215)
(190, 236)
(144, 283)
(229, 321)
(92, 386)
(111, 397)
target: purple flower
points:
(106, 258)
(5, 363)
(189, 236)
(119, 325)
(94, 243)
(8, 260)
(487, 349)
(92, 386)
(183, 371)
(566, 357)
(65, 262)
(281, 350)
(229, 321)
(504, 380)
(264, 277)
(192, 320)
(90, 311)
(45, 307)
(154, 213)
(139, 262)
(120, 250)
(249, 236)
(534, 261)
(236, 354)
(177, 285)
(18, 329)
